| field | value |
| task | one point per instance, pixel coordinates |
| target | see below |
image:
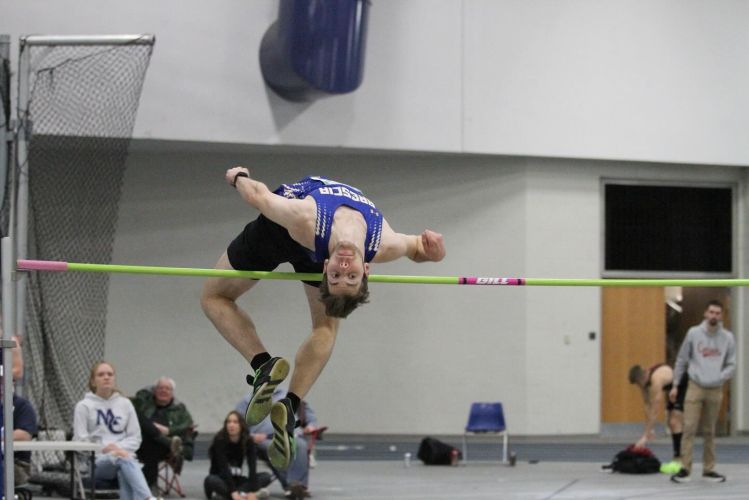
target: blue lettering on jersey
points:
(346, 192)
(329, 195)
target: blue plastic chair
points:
(486, 418)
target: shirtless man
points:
(319, 226)
(655, 384)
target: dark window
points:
(668, 228)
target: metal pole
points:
(4, 120)
(22, 170)
(8, 271)
(139, 39)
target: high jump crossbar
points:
(60, 266)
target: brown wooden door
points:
(633, 332)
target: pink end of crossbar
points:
(42, 265)
(472, 280)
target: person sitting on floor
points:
(166, 426)
(230, 448)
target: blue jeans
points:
(133, 484)
(298, 470)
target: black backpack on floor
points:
(435, 452)
(633, 460)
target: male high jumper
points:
(319, 226)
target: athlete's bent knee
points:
(210, 301)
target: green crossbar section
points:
(637, 282)
(376, 278)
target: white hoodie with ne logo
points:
(107, 421)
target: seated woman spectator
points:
(107, 417)
(230, 448)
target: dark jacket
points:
(179, 419)
(227, 459)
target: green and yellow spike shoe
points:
(283, 448)
(671, 467)
(265, 381)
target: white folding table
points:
(70, 448)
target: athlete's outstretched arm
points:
(280, 210)
(427, 246)
(654, 403)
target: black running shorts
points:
(263, 245)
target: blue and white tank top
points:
(329, 195)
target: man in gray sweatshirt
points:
(710, 351)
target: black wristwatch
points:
(239, 174)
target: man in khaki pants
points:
(710, 351)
